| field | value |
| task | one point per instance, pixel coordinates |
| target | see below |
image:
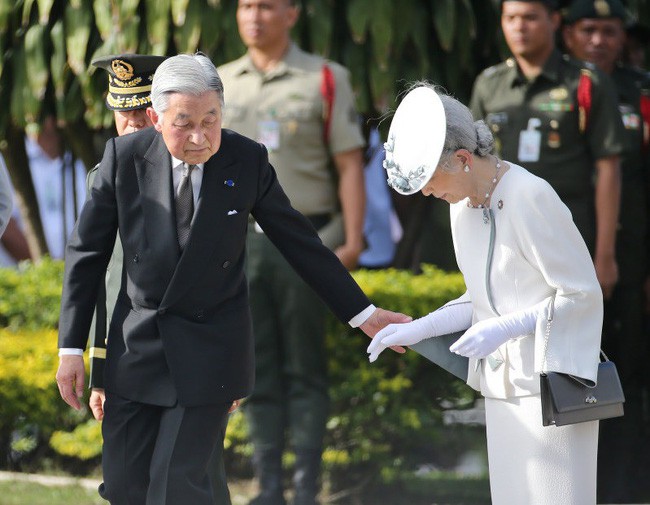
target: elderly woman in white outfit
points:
(524, 264)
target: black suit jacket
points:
(181, 329)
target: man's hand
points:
(96, 403)
(381, 318)
(70, 379)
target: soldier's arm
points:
(607, 198)
(352, 196)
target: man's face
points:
(264, 24)
(528, 28)
(129, 121)
(191, 126)
(599, 41)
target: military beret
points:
(594, 9)
(129, 79)
(549, 4)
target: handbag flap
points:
(569, 394)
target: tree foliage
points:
(46, 47)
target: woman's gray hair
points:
(188, 74)
(462, 131)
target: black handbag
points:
(567, 399)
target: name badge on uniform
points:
(530, 141)
(268, 133)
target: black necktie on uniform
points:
(184, 205)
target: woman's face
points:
(449, 182)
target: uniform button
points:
(226, 264)
(136, 258)
(162, 312)
(199, 314)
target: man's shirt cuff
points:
(362, 316)
(67, 351)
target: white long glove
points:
(485, 337)
(447, 319)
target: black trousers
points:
(159, 455)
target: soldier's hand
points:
(381, 318)
(348, 254)
(70, 379)
(96, 403)
(607, 274)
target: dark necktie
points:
(184, 205)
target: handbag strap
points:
(547, 334)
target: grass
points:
(15, 492)
(31, 493)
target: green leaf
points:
(104, 17)
(444, 20)
(44, 8)
(127, 37)
(35, 60)
(467, 24)
(381, 27)
(187, 35)
(319, 14)
(17, 103)
(158, 12)
(58, 57)
(6, 7)
(179, 10)
(78, 21)
(209, 36)
(359, 14)
(27, 11)
(128, 10)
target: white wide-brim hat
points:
(415, 140)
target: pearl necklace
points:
(483, 205)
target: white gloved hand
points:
(485, 337)
(454, 317)
(400, 334)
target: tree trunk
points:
(13, 151)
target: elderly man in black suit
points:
(180, 345)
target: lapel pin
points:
(230, 183)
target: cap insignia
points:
(602, 8)
(122, 69)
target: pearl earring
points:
(466, 169)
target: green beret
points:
(129, 79)
(594, 9)
(549, 4)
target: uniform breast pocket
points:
(299, 121)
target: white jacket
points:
(538, 254)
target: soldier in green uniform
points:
(594, 31)
(301, 107)
(531, 104)
(129, 87)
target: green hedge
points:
(384, 415)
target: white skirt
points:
(531, 464)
